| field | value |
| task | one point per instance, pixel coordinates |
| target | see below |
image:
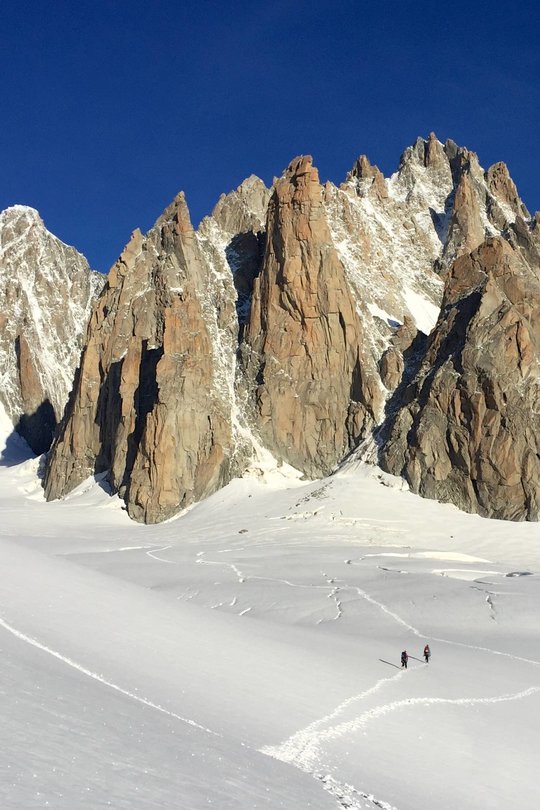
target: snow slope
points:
(246, 654)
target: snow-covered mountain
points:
(245, 653)
(46, 293)
(295, 321)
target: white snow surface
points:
(423, 311)
(246, 654)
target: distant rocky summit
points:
(46, 294)
(393, 318)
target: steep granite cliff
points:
(146, 404)
(469, 431)
(316, 392)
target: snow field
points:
(231, 655)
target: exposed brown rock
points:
(466, 230)
(145, 405)
(316, 392)
(392, 362)
(470, 433)
(434, 154)
(370, 178)
(501, 185)
(245, 209)
(237, 226)
(315, 295)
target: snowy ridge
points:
(387, 247)
(47, 288)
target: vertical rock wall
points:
(315, 391)
(469, 432)
(145, 405)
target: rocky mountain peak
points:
(146, 404)
(176, 216)
(315, 389)
(300, 318)
(434, 154)
(366, 178)
(466, 229)
(19, 216)
(46, 291)
(501, 185)
(244, 209)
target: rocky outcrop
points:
(466, 229)
(392, 362)
(146, 406)
(46, 294)
(469, 431)
(315, 390)
(369, 179)
(235, 231)
(503, 188)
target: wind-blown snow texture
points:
(246, 654)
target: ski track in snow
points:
(344, 794)
(349, 797)
(96, 677)
(361, 593)
(154, 555)
(303, 749)
(239, 575)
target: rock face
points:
(235, 231)
(315, 391)
(146, 404)
(46, 294)
(469, 432)
(300, 320)
(466, 229)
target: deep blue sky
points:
(110, 108)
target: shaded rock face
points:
(392, 362)
(469, 431)
(315, 390)
(46, 294)
(146, 404)
(236, 230)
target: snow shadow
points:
(397, 666)
(38, 428)
(15, 451)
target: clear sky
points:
(110, 108)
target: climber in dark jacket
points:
(404, 659)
